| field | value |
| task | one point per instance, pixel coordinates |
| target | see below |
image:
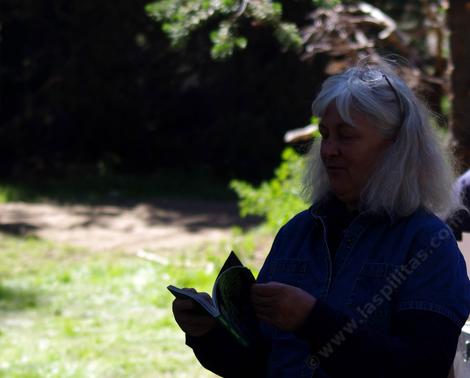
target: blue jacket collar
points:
(330, 205)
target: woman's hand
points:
(191, 319)
(283, 306)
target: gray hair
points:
(414, 171)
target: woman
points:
(368, 281)
(459, 221)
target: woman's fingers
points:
(189, 304)
(195, 320)
(263, 301)
(190, 318)
(184, 305)
(269, 289)
(263, 312)
(281, 305)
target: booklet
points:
(230, 303)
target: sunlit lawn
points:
(66, 312)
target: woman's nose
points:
(329, 148)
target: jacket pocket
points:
(289, 271)
(373, 295)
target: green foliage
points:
(327, 3)
(225, 41)
(278, 199)
(446, 106)
(288, 36)
(179, 18)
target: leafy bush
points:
(180, 18)
(278, 199)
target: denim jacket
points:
(382, 266)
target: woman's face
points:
(349, 153)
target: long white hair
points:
(414, 171)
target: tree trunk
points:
(459, 26)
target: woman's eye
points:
(346, 136)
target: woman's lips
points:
(334, 168)
(334, 171)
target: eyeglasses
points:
(376, 75)
(398, 98)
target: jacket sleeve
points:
(422, 344)
(436, 278)
(430, 307)
(220, 353)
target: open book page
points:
(230, 304)
(232, 260)
(203, 301)
(209, 306)
(231, 295)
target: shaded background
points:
(93, 88)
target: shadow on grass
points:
(196, 215)
(89, 188)
(18, 229)
(193, 204)
(17, 299)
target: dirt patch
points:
(162, 224)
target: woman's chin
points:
(343, 195)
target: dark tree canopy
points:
(97, 86)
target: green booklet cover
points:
(230, 303)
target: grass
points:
(67, 312)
